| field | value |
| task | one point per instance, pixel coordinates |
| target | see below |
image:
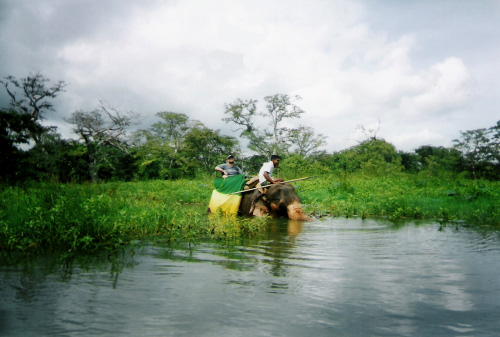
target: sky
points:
(414, 72)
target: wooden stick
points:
(267, 186)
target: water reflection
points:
(347, 277)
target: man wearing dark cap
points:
(229, 169)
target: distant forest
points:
(177, 147)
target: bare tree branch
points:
(103, 127)
(34, 94)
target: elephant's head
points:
(280, 200)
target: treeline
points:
(177, 147)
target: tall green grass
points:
(86, 218)
(404, 196)
(91, 217)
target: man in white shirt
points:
(266, 171)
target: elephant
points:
(280, 200)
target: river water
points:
(334, 277)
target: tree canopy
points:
(109, 147)
(274, 137)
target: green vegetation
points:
(154, 184)
(91, 217)
(85, 218)
(475, 203)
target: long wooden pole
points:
(267, 186)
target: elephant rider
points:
(229, 169)
(266, 172)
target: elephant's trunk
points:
(295, 212)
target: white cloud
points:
(194, 56)
(444, 87)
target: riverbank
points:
(90, 217)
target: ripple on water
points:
(346, 277)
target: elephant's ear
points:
(255, 199)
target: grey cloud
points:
(352, 62)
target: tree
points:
(205, 148)
(305, 141)
(173, 128)
(298, 166)
(494, 153)
(369, 134)
(15, 129)
(474, 147)
(100, 130)
(242, 113)
(280, 107)
(443, 159)
(481, 150)
(373, 157)
(378, 157)
(410, 161)
(271, 139)
(159, 149)
(57, 159)
(34, 95)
